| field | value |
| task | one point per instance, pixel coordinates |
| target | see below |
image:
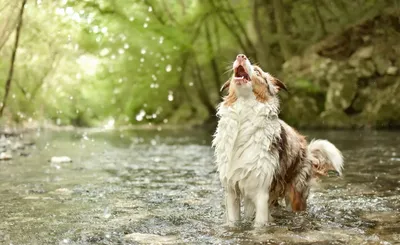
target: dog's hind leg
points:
(297, 200)
(232, 206)
(249, 209)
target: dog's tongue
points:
(240, 72)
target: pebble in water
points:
(60, 159)
(5, 156)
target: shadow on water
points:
(161, 187)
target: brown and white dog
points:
(260, 158)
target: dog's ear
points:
(226, 85)
(279, 84)
(275, 84)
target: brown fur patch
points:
(260, 87)
(297, 201)
(231, 97)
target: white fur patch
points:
(334, 156)
(243, 139)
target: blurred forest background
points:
(123, 62)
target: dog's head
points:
(250, 80)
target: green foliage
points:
(83, 62)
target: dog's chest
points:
(244, 137)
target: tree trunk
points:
(13, 57)
(262, 47)
(213, 63)
(202, 90)
(280, 26)
(320, 19)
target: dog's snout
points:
(241, 57)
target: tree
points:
(13, 57)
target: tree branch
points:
(13, 57)
(280, 26)
(214, 64)
(201, 90)
(154, 11)
(231, 29)
(319, 16)
(242, 29)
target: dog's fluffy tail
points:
(325, 156)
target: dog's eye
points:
(258, 73)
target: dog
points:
(260, 158)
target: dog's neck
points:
(245, 92)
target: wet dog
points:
(260, 158)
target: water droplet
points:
(131, 18)
(104, 51)
(107, 213)
(161, 40)
(69, 10)
(154, 77)
(147, 19)
(170, 96)
(191, 84)
(145, 25)
(85, 137)
(153, 142)
(154, 85)
(168, 68)
(140, 115)
(150, 9)
(126, 46)
(121, 51)
(95, 29)
(142, 60)
(143, 51)
(110, 124)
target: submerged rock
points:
(60, 159)
(5, 156)
(150, 238)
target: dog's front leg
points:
(262, 210)
(232, 207)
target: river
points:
(161, 187)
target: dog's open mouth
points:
(241, 76)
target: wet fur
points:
(260, 158)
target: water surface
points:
(134, 187)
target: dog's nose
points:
(241, 57)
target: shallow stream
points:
(160, 187)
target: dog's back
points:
(300, 162)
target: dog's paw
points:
(230, 224)
(259, 225)
(264, 224)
